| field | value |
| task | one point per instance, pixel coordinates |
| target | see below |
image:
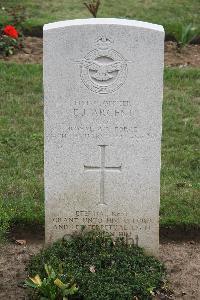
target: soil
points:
(182, 260)
(189, 56)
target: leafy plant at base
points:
(52, 287)
(103, 269)
(187, 34)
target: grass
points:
(180, 178)
(21, 147)
(172, 14)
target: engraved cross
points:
(102, 169)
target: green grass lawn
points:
(180, 176)
(170, 13)
(21, 144)
(21, 147)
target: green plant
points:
(187, 34)
(8, 45)
(52, 287)
(103, 269)
(93, 7)
(9, 40)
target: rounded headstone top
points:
(103, 21)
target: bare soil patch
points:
(186, 57)
(182, 260)
(13, 260)
(189, 56)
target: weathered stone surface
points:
(103, 110)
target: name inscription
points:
(84, 108)
(109, 119)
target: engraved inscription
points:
(103, 70)
(119, 224)
(125, 124)
(102, 169)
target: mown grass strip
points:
(171, 14)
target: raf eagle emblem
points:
(104, 72)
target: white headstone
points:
(103, 85)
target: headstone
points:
(103, 85)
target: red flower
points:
(11, 31)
